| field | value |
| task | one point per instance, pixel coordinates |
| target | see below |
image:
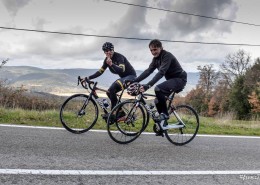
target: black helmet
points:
(108, 46)
(133, 89)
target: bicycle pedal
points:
(159, 134)
(104, 116)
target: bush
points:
(19, 98)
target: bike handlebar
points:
(87, 84)
(143, 95)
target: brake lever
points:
(145, 97)
(79, 79)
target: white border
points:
(144, 133)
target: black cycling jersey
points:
(167, 65)
(120, 65)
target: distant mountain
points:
(59, 81)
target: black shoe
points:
(160, 133)
(105, 116)
(112, 119)
(162, 121)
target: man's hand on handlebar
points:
(144, 87)
(129, 82)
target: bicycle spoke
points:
(126, 130)
(77, 114)
(183, 125)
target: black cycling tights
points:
(113, 89)
(161, 102)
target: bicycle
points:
(183, 124)
(79, 113)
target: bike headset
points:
(107, 46)
(133, 89)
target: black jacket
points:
(120, 65)
(167, 66)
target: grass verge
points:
(51, 118)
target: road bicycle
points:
(183, 122)
(79, 113)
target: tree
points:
(239, 99)
(252, 82)
(252, 77)
(208, 78)
(219, 102)
(235, 66)
(254, 100)
(196, 100)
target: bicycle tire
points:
(124, 132)
(78, 119)
(182, 136)
(129, 133)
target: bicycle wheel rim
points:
(124, 132)
(182, 136)
(75, 118)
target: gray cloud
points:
(172, 26)
(178, 25)
(39, 23)
(130, 25)
(13, 6)
(134, 23)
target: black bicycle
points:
(79, 113)
(183, 124)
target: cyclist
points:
(176, 78)
(117, 64)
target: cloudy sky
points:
(106, 18)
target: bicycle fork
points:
(178, 125)
(130, 118)
(82, 112)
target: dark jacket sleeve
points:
(99, 72)
(120, 68)
(165, 64)
(146, 73)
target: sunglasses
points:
(107, 50)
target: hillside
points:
(61, 81)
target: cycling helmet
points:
(107, 46)
(133, 89)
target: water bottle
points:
(151, 106)
(105, 103)
(154, 111)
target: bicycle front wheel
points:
(183, 125)
(78, 113)
(126, 129)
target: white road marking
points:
(145, 133)
(123, 172)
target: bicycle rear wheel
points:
(178, 133)
(127, 129)
(78, 114)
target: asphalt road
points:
(55, 156)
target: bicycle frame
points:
(181, 128)
(93, 93)
(141, 99)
